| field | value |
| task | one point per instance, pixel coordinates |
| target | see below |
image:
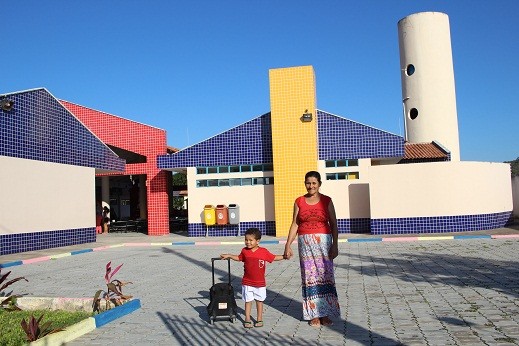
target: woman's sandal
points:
(326, 321)
(258, 324)
(247, 324)
(315, 322)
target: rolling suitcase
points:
(222, 302)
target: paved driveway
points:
(438, 292)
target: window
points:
(235, 182)
(212, 170)
(341, 163)
(201, 170)
(246, 181)
(410, 70)
(342, 176)
(223, 169)
(223, 182)
(413, 113)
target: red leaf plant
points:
(8, 300)
(34, 330)
(114, 293)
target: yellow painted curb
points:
(61, 255)
(450, 237)
(70, 333)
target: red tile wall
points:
(138, 138)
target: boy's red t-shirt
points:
(254, 266)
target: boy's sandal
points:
(247, 324)
(258, 324)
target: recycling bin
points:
(209, 215)
(221, 214)
(234, 214)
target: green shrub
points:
(10, 323)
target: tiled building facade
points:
(144, 140)
(48, 160)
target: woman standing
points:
(315, 225)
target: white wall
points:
(350, 197)
(42, 196)
(440, 189)
(515, 194)
(256, 203)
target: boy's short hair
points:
(255, 232)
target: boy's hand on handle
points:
(223, 256)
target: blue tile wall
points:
(200, 229)
(249, 143)
(22, 242)
(359, 225)
(40, 128)
(340, 138)
(439, 224)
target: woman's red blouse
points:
(313, 219)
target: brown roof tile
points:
(414, 151)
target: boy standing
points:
(253, 282)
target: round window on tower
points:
(413, 113)
(410, 69)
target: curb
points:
(87, 325)
(274, 242)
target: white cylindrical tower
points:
(428, 91)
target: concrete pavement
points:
(431, 291)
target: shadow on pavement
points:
(201, 332)
(444, 269)
(187, 331)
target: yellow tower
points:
(294, 137)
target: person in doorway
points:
(253, 281)
(99, 218)
(315, 226)
(105, 219)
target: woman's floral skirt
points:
(318, 281)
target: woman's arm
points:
(334, 250)
(291, 233)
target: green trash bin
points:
(209, 215)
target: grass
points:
(12, 333)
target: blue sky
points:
(198, 68)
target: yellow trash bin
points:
(209, 215)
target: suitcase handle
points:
(228, 265)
